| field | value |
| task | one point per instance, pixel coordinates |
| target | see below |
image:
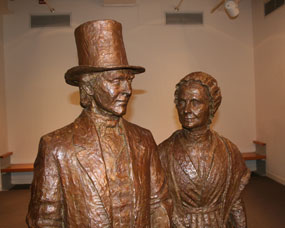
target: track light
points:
(231, 8)
(51, 9)
(177, 8)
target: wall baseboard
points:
(275, 177)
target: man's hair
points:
(209, 83)
(89, 80)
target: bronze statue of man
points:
(206, 172)
(100, 170)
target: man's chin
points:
(113, 112)
(119, 113)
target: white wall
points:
(3, 120)
(39, 101)
(269, 53)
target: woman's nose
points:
(188, 107)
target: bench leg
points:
(5, 178)
(6, 181)
(261, 167)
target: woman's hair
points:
(209, 83)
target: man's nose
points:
(126, 88)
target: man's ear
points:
(88, 89)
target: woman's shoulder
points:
(167, 142)
(225, 140)
(241, 172)
(234, 151)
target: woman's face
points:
(193, 106)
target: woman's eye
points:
(195, 102)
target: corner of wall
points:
(3, 116)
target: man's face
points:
(112, 91)
(193, 106)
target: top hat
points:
(100, 48)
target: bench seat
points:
(15, 168)
(6, 155)
(253, 156)
(7, 169)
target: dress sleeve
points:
(241, 176)
(45, 208)
(238, 215)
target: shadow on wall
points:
(74, 98)
(135, 92)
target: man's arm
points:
(45, 209)
(161, 204)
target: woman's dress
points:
(206, 186)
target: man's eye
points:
(181, 103)
(130, 79)
(116, 81)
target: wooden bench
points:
(259, 156)
(6, 169)
(252, 156)
(16, 168)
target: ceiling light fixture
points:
(51, 9)
(230, 6)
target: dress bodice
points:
(200, 175)
(205, 180)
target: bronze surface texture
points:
(100, 170)
(205, 171)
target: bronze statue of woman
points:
(206, 172)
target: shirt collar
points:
(107, 121)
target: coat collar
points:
(89, 155)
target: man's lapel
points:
(90, 157)
(132, 144)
